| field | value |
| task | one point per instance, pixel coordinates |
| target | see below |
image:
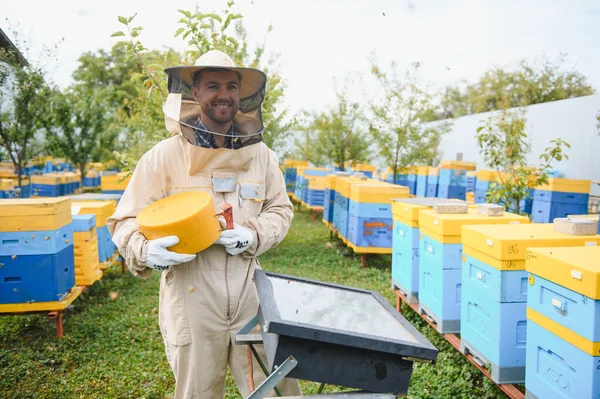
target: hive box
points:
(440, 263)
(563, 347)
(495, 289)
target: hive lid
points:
(335, 314)
(566, 185)
(408, 208)
(174, 209)
(510, 241)
(451, 224)
(34, 206)
(83, 222)
(575, 268)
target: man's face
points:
(218, 94)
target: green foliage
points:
(76, 126)
(112, 348)
(23, 105)
(531, 83)
(339, 137)
(503, 143)
(398, 119)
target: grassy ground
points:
(112, 346)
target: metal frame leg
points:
(272, 380)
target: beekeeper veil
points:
(182, 112)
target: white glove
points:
(159, 258)
(237, 240)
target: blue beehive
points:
(456, 192)
(563, 315)
(405, 244)
(432, 182)
(559, 198)
(370, 221)
(290, 179)
(495, 292)
(440, 263)
(38, 264)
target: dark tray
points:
(339, 335)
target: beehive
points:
(102, 210)
(563, 322)
(34, 214)
(440, 262)
(114, 184)
(559, 198)
(494, 283)
(370, 215)
(405, 243)
(87, 261)
(189, 215)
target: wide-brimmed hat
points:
(253, 80)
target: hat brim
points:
(253, 80)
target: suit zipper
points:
(228, 313)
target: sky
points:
(324, 43)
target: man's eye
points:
(232, 87)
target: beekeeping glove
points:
(158, 257)
(236, 240)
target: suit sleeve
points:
(143, 189)
(273, 222)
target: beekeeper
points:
(214, 111)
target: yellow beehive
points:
(188, 215)
(32, 214)
(567, 186)
(6, 184)
(102, 209)
(114, 182)
(458, 165)
(504, 247)
(377, 193)
(87, 264)
(343, 184)
(446, 228)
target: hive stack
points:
(48, 185)
(421, 175)
(452, 183)
(559, 198)
(405, 244)
(342, 203)
(36, 251)
(370, 223)
(290, 172)
(102, 210)
(440, 262)
(433, 178)
(111, 183)
(563, 323)
(87, 261)
(329, 204)
(411, 179)
(91, 180)
(310, 185)
(494, 292)
(484, 180)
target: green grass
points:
(112, 348)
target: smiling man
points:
(214, 111)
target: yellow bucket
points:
(190, 216)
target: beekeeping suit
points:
(206, 298)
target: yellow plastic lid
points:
(567, 186)
(575, 268)
(31, 214)
(377, 193)
(451, 224)
(509, 242)
(189, 216)
(422, 170)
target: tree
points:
(75, 126)
(398, 119)
(340, 138)
(23, 104)
(504, 145)
(530, 83)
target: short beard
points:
(221, 121)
